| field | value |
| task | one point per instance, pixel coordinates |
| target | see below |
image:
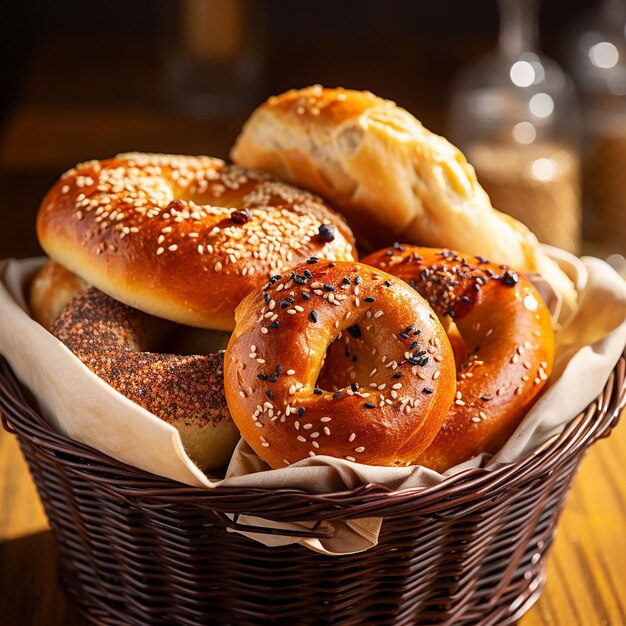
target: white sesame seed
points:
(160, 251)
(173, 247)
(360, 449)
(218, 267)
(301, 438)
(291, 372)
(352, 437)
(325, 419)
(351, 458)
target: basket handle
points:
(234, 524)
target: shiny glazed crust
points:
(276, 352)
(508, 331)
(183, 238)
(390, 176)
(187, 392)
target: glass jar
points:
(597, 61)
(515, 115)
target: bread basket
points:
(136, 549)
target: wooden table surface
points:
(586, 569)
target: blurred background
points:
(533, 92)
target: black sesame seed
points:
(417, 332)
(313, 316)
(355, 331)
(389, 253)
(369, 405)
(354, 359)
(369, 299)
(466, 299)
(329, 288)
(278, 370)
(274, 325)
(357, 280)
(419, 353)
(317, 391)
(482, 260)
(336, 394)
(267, 298)
(306, 296)
(286, 303)
(331, 265)
(301, 411)
(408, 329)
(354, 386)
(345, 281)
(312, 261)
(299, 280)
(308, 274)
(241, 216)
(510, 278)
(272, 379)
(503, 267)
(387, 283)
(404, 335)
(262, 376)
(269, 394)
(485, 398)
(327, 232)
(427, 390)
(398, 247)
(398, 375)
(414, 345)
(423, 361)
(452, 313)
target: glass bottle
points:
(515, 115)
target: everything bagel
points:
(277, 350)
(509, 336)
(183, 238)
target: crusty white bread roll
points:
(390, 176)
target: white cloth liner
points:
(77, 403)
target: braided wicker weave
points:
(141, 550)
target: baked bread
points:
(183, 238)
(390, 177)
(276, 353)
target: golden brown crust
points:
(508, 331)
(276, 352)
(390, 177)
(183, 238)
(52, 288)
(185, 391)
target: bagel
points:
(51, 290)
(508, 332)
(183, 238)
(186, 391)
(277, 349)
(390, 176)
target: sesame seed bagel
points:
(277, 350)
(112, 340)
(183, 238)
(508, 332)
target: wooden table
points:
(586, 569)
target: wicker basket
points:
(138, 549)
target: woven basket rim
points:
(453, 497)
